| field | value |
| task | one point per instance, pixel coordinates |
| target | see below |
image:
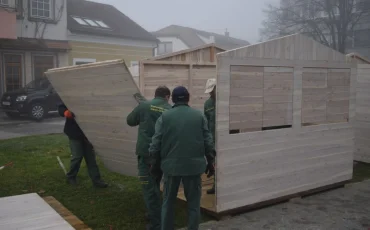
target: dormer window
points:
(41, 9)
(90, 22)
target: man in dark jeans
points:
(80, 148)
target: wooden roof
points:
(358, 57)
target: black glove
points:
(210, 170)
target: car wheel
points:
(37, 112)
(12, 115)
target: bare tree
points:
(330, 22)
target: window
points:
(91, 22)
(80, 61)
(102, 24)
(41, 64)
(41, 8)
(4, 2)
(13, 71)
(80, 21)
(164, 48)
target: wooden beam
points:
(212, 54)
(176, 63)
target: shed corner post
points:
(353, 93)
(141, 78)
(297, 98)
(190, 82)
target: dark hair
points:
(162, 91)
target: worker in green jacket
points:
(180, 146)
(145, 115)
(210, 113)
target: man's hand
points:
(156, 172)
(68, 114)
(210, 170)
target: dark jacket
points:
(210, 113)
(71, 128)
(145, 115)
(182, 141)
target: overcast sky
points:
(242, 18)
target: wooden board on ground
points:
(101, 95)
(29, 211)
(66, 214)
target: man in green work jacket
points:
(210, 113)
(145, 115)
(180, 146)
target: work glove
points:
(68, 114)
(210, 169)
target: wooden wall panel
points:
(246, 98)
(155, 75)
(362, 123)
(278, 96)
(338, 95)
(254, 167)
(101, 96)
(199, 76)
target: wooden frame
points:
(262, 166)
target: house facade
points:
(99, 32)
(176, 38)
(33, 39)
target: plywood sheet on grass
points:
(101, 96)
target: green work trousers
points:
(83, 149)
(193, 192)
(151, 191)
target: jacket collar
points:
(180, 104)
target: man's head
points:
(211, 87)
(180, 94)
(163, 92)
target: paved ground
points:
(10, 128)
(341, 209)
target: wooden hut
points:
(284, 116)
(190, 68)
(362, 123)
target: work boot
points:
(211, 191)
(100, 184)
(71, 181)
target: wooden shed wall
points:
(207, 54)
(172, 74)
(362, 124)
(255, 166)
(101, 96)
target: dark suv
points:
(36, 100)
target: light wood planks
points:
(101, 96)
(29, 211)
(326, 95)
(362, 123)
(255, 167)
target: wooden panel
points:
(29, 211)
(200, 75)
(155, 75)
(277, 96)
(246, 107)
(362, 121)
(101, 96)
(254, 167)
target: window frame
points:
(34, 56)
(165, 48)
(21, 68)
(4, 4)
(51, 10)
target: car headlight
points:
(21, 98)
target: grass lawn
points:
(36, 169)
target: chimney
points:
(227, 34)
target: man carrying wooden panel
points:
(179, 147)
(80, 148)
(145, 115)
(210, 113)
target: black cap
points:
(180, 94)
